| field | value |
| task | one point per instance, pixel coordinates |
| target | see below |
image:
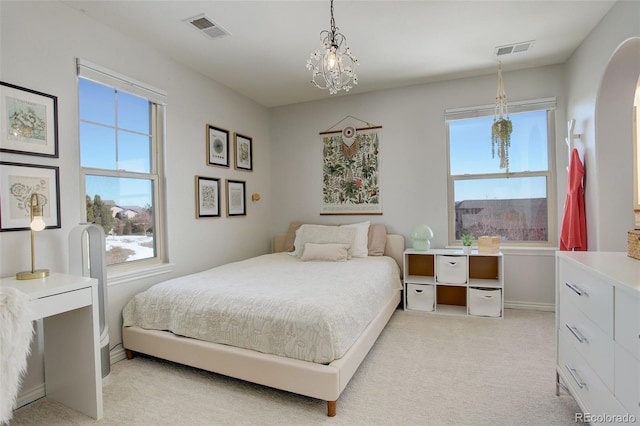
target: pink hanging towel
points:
(573, 235)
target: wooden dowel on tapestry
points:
(328, 132)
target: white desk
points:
(68, 306)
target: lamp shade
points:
(421, 236)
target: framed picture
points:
(217, 146)
(17, 183)
(207, 197)
(236, 198)
(244, 156)
(28, 121)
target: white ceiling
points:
(398, 43)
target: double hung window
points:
(516, 205)
(121, 137)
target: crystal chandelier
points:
(333, 68)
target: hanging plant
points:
(501, 138)
(502, 126)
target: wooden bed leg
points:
(129, 353)
(331, 408)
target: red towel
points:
(573, 235)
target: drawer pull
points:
(575, 289)
(576, 333)
(574, 374)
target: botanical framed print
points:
(17, 183)
(244, 154)
(207, 197)
(236, 198)
(217, 146)
(28, 121)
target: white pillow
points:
(322, 234)
(361, 244)
(327, 252)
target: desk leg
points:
(72, 368)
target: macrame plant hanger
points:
(502, 127)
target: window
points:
(484, 199)
(121, 138)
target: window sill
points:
(123, 277)
(523, 250)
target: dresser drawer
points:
(627, 374)
(586, 387)
(593, 296)
(627, 316)
(589, 340)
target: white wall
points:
(39, 44)
(600, 89)
(413, 161)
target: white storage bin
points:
(451, 269)
(420, 297)
(485, 302)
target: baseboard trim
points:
(117, 354)
(28, 396)
(530, 306)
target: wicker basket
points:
(488, 244)
(633, 239)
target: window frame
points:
(546, 104)
(125, 271)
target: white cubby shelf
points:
(452, 282)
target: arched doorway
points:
(614, 144)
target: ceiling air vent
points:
(513, 48)
(206, 26)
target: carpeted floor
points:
(423, 370)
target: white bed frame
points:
(322, 381)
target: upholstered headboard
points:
(394, 247)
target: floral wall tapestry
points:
(351, 172)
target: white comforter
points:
(275, 303)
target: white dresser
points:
(598, 334)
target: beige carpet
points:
(424, 370)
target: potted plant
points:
(467, 241)
(501, 137)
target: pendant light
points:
(333, 67)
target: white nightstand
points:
(68, 306)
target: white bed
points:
(319, 369)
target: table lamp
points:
(37, 225)
(421, 236)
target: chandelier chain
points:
(333, 25)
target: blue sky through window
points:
(470, 153)
(115, 135)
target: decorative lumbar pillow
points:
(377, 239)
(323, 234)
(291, 236)
(327, 252)
(360, 248)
